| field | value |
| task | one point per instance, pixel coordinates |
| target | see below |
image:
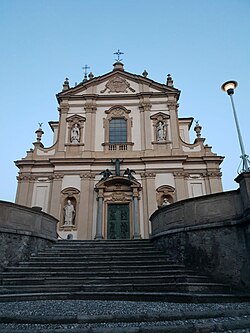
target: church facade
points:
(120, 152)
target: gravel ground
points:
(67, 308)
(75, 307)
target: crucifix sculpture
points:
(117, 163)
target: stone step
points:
(104, 243)
(24, 273)
(74, 252)
(103, 258)
(157, 296)
(84, 264)
(98, 269)
(121, 287)
(117, 266)
(103, 280)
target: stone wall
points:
(23, 231)
(210, 234)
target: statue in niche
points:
(165, 202)
(69, 213)
(161, 131)
(75, 134)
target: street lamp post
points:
(229, 88)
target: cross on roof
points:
(118, 53)
(85, 68)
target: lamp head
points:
(229, 87)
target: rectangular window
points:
(118, 130)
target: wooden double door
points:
(118, 222)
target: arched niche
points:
(69, 194)
(165, 193)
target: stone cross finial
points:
(145, 73)
(85, 68)
(118, 53)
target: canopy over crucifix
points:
(118, 53)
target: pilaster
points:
(146, 127)
(55, 195)
(25, 190)
(214, 179)
(90, 131)
(174, 125)
(181, 185)
(149, 198)
(63, 109)
(86, 206)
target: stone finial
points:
(91, 75)
(118, 66)
(145, 73)
(170, 82)
(66, 84)
(39, 132)
(197, 129)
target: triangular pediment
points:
(118, 82)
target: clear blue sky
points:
(202, 43)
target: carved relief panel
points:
(117, 85)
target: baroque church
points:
(119, 153)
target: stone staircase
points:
(112, 269)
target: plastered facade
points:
(160, 161)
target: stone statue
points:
(161, 131)
(105, 174)
(69, 213)
(129, 172)
(165, 202)
(75, 134)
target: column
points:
(99, 220)
(136, 225)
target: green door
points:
(118, 221)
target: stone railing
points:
(210, 234)
(23, 231)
